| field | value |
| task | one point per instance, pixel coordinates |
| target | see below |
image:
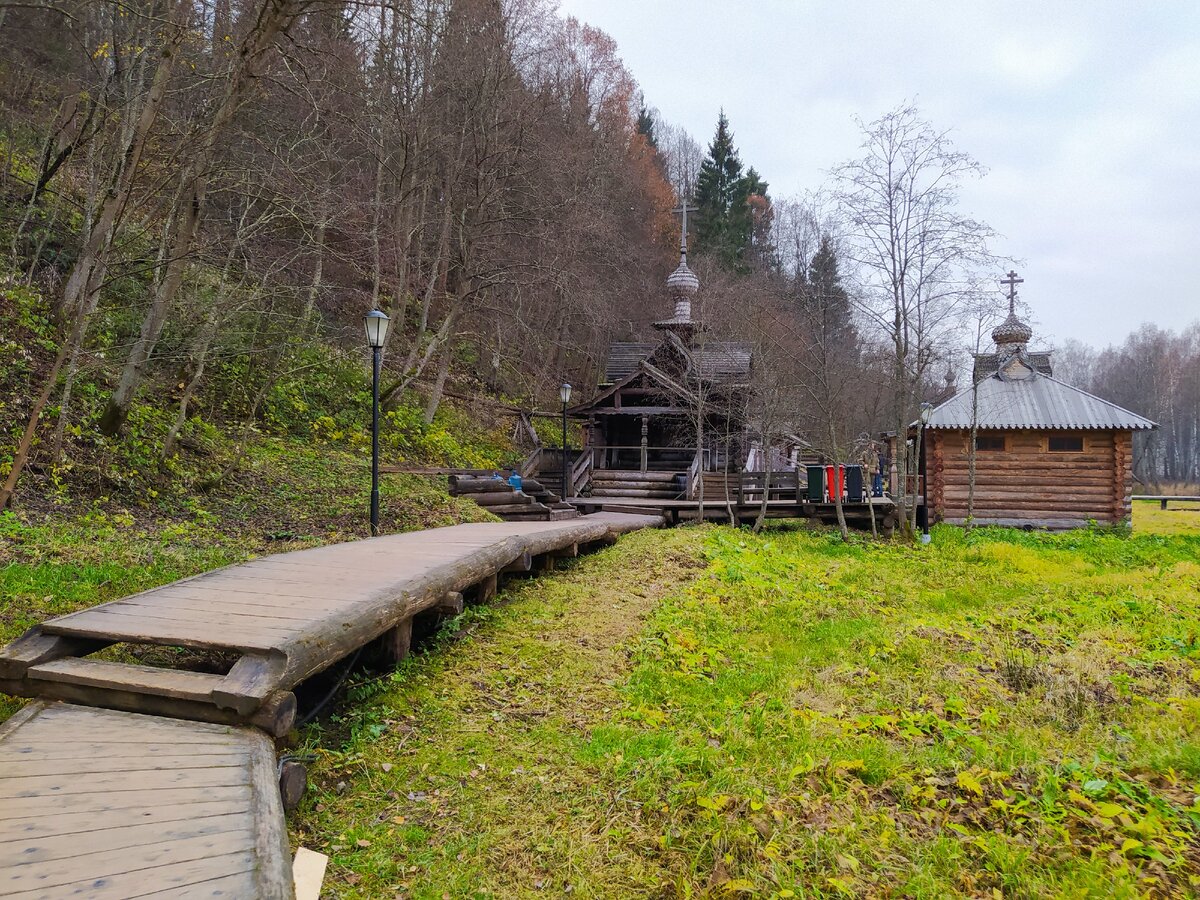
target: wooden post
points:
(485, 590)
(393, 644)
(645, 441)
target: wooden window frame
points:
(1003, 439)
(1051, 438)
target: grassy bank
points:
(707, 713)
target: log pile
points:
(533, 503)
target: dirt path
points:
(461, 768)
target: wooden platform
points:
(284, 618)
(673, 511)
(103, 804)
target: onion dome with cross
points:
(1012, 330)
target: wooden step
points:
(98, 673)
(668, 494)
(161, 692)
(622, 475)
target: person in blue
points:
(514, 480)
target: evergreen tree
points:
(825, 299)
(718, 189)
(729, 202)
(645, 125)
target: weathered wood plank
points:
(224, 887)
(61, 785)
(176, 683)
(273, 875)
(52, 823)
(123, 802)
(37, 850)
(275, 716)
(125, 876)
(252, 679)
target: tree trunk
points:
(274, 17)
(439, 385)
(81, 291)
(199, 358)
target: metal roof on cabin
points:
(1040, 401)
(717, 360)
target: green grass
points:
(704, 712)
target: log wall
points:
(1026, 484)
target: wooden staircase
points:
(533, 503)
(650, 485)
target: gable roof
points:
(1037, 401)
(719, 360)
(989, 363)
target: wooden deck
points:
(102, 800)
(674, 511)
(103, 804)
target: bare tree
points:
(916, 258)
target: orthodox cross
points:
(1012, 281)
(682, 210)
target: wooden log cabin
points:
(1047, 454)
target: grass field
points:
(704, 712)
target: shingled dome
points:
(1012, 331)
(683, 281)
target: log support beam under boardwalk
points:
(391, 648)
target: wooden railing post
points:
(645, 441)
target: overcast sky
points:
(1087, 115)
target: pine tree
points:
(718, 190)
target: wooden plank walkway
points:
(101, 800)
(285, 617)
(96, 803)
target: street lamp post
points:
(376, 324)
(926, 412)
(564, 394)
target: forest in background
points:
(201, 198)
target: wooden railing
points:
(532, 464)
(581, 474)
(748, 487)
(634, 457)
(693, 478)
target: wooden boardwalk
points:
(284, 618)
(95, 803)
(154, 786)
